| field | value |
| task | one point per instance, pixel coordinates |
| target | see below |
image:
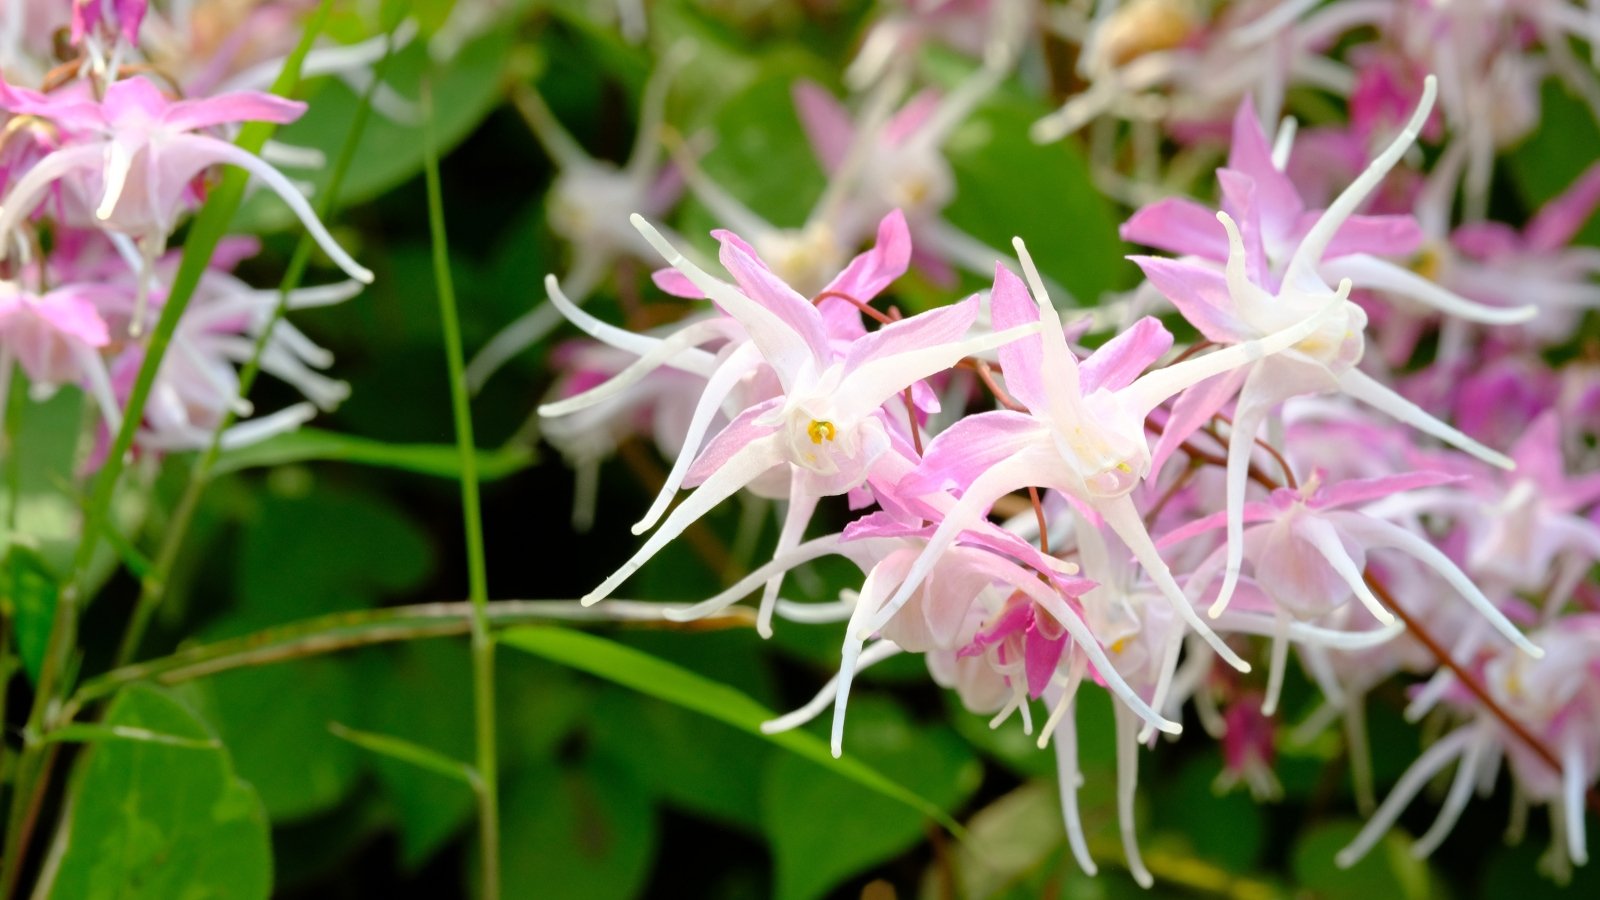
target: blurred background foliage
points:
(608, 792)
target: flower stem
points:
(477, 579)
(153, 588)
(204, 235)
(340, 631)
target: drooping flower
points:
(1555, 700)
(1083, 432)
(828, 425)
(57, 338)
(128, 162)
(1241, 304)
(880, 161)
(588, 207)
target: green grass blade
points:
(98, 734)
(314, 445)
(408, 752)
(664, 681)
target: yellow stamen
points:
(820, 431)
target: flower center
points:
(820, 430)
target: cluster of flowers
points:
(1160, 507)
(113, 119)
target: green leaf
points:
(706, 768)
(824, 828)
(1388, 870)
(390, 152)
(314, 445)
(408, 752)
(1191, 808)
(45, 452)
(31, 591)
(585, 833)
(662, 680)
(1547, 163)
(327, 551)
(1009, 839)
(330, 550)
(1008, 186)
(275, 720)
(157, 821)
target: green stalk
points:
(336, 632)
(153, 588)
(478, 587)
(204, 235)
(16, 395)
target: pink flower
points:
(588, 207)
(1556, 699)
(1083, 433)
(57, 338)
(132, 158)
(828, 425)
(1241, 304)
(120, 16)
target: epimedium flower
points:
(197, 384)
(1239, 304)
(878, 162)
(1496, 264)
(57, 338)
(1082, 432)
(1555, 699)
(660, 407)
(588, 206)
(119, 17)
(827, 426)
(736, 377)
(1526, 530)
(1164, 63)
(1309, 554)
(129, 162)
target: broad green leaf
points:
(45, 450)
(157, 821)
(662, 680)
(275, 720)
(409, 752)
(586, 833)
(31, 591)
(466, 91)
(1191, 807)
(1388, 870)
(1547, 163)
(314, 445)
(327, 551)
(1008, 186)
(1009, 839)
(706, 768)
(824, 828)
